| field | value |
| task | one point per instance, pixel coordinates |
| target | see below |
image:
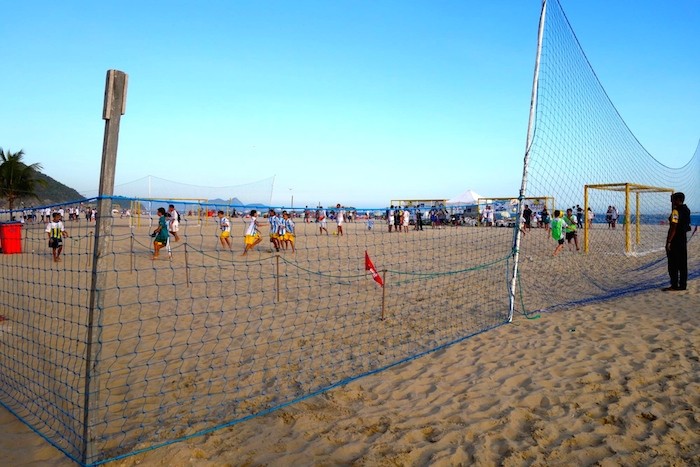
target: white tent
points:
(468, 198)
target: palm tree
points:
(17, 180)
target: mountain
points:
(51, 192)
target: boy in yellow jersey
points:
(56, 232)
(252, 234)
(225, 228)
(571, 224)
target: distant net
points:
(257, 193)
(202, 337)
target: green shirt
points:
(557, 228)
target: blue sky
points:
(343, 102)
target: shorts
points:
(560, 241)
(174, 226)
(288, 237)
(251, 239)
(339, 222)
(570, 235)
(224, 234)
(323, 223)
(274, 236)
(55, 242)
(160, 242)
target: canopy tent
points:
(467, 198)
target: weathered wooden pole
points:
(114, 108)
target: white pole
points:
(528, 143)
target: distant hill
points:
(53, 192)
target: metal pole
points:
(628, 217)
(528, 144)
(114, 107)
(585, 219)
(277, 277)
(383, 292)
(639, 234)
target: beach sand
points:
(609, 383)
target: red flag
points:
(370, 267)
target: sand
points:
(610, 383)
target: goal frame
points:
(628, 188)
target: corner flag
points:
(370, 267)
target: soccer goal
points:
(645, 211)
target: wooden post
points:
(131, 256)
(114, 107)
(187, 267)
(383, 292)
(277, 277)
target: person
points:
(572, 224)
(274, 221)
(161, 234)
(579, 216)
(545, 218)
(288, 237)
(419, 219)
(487, 216)
(591, 216)
(56, 231)
(339, 219)
(558, 226)
(174, 222)
(609, 216)
(252, 234)
(527, 215)
(406, 219)
(225, 227)
(615, 216)
(321, 218)
(677, 242)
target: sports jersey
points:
(558, 228)
(225, 225)
(252, 228)
(55, 229)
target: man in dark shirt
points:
(677, 243)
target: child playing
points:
(225, 227)
(558, 225)
(56, 232)
(252, 234)
(161, 234)
(288, 237)
(571, 234)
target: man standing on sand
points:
(677, 243)
(339, 219)
(321, 218)
(527, 215)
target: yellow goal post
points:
(628, 189)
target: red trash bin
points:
(11, 237)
